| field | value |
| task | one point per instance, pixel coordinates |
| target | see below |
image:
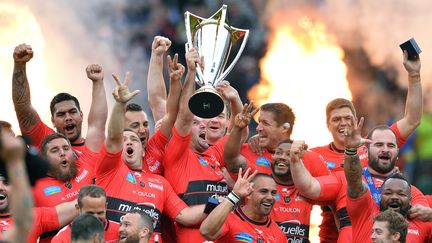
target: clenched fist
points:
(94, 72)
(22, 54)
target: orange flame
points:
(20, 26)
(303, 68)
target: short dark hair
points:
(398, 176)
(282, 114)
(337, 104)
(49, 138)
(259, 175)
(85, 227)
(145, 220)
(380, 128)
(134, 107)
(60, 97)
(396, 223)
(90, 191)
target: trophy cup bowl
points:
(213, 38)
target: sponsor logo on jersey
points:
(330, 164)
(295, 231)
(157, 186)
(51, 190)
(131, 178)
(202, 161)
(244, 237)
(82, 175)
(263, 161)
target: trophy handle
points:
(193, 20)
(236, 34)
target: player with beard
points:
(341, 112)
(91, 200)
(382, 153)
(66, 175)
(136, 227)
(249, 222)
(19, 221)
(66, 114)
(291, 211)
(389, 227)
(395, 192)
(120, 172)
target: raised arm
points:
(176, 71)
(156, 90)
(21, 202)
(232, 157)
(122, 95)
(211, 227)
(414, 100)
(26, 114)
(352, 166)
(305, 183)
(232, 97)
(183, 124)
(98, 110)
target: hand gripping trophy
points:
(214, 39)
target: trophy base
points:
(206, 103)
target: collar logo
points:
(131, 178)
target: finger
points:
(240, 173)
(252, 176)
(116, 79)
(170, 63)
(133, 94)
(247, 173)
(175, 60)
(254, 112)
(405, 56)
(126, 81)
(360, 123)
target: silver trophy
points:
(213, 38)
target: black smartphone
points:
(412, 48)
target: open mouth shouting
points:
(394, 205)
(70, 128)
(129, 152)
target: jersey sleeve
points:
(107, 163)
(418, 197)
(155, 153)
(401, 140)
(315, 164)
(176, 154)
(38, 133)
(330, 186)
(45, 219)
(172, 203)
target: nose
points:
(373, 236)
(259, 127)
(68, 116)
(202, 124)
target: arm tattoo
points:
(27, 117)
(20, 91)
(353, 174)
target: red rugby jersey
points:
(129, 189)
(239, 228)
